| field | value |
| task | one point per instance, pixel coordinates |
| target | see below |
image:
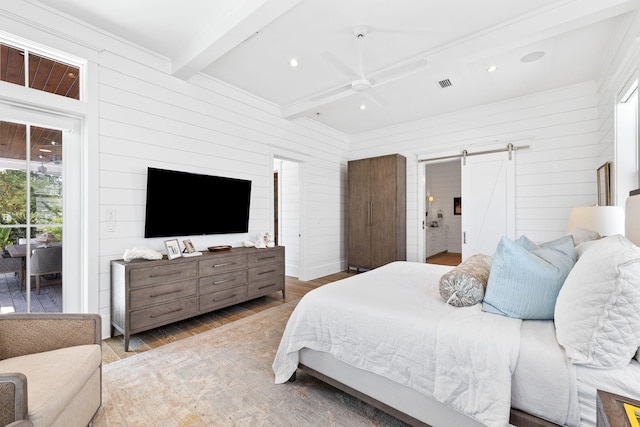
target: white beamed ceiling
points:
(248, 44)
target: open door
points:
(488, 201)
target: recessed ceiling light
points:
(491, 69)
(363, 107)
(293, 62)
(533, 56)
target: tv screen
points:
(189, 204)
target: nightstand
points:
(610, 409)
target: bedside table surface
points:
(610, 409)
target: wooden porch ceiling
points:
(47, 75)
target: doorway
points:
(40, 179)
(287, 208)
(486, 204)
(442, 229)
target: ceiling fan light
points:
(360, 85)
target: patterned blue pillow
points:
(525, 277)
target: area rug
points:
(223, 377)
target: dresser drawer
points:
(222, 281)
(266, 256)
(223, 298)
(163, 273)
(266, 286)
(163, 314)
(265, 272)
(221, 264)
(143, 297)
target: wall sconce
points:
(429, 199)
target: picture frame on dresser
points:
(173, 248)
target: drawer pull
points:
(223, 264)
(164, 314)
(222, 299)
(266, 257)
(267, 286)
(164, 274)
(219, 282)
(266, 272)
(161, 294)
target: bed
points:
(388, 337)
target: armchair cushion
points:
(50, 368)
(60, 374)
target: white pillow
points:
(581, 235)
(597, 313)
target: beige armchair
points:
(50, 369)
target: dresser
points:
(148, 294)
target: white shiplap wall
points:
(621, 68)
(556, 173)
(149, 118)
(140, 116)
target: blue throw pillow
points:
(525, 277)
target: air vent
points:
(445, 83)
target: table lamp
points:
(605, 220)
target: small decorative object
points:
(45, 239)
(457, 206)
(141, 252)
(188, 246)
(219, 248)
(173, 248)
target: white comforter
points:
(392, 321)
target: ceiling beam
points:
(525, 30)
(246, 19)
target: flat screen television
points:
(190, 204)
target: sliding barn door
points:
(488, 202)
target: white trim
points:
(302, 159)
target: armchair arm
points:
(29, 333)
(13, 399)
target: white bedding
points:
(462, 357)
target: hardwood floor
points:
(445, 258)
(113, 348)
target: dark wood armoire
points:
(376, 218)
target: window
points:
(45, 73)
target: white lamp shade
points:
(605, 220)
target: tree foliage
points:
(46, 202)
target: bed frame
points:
(403, 403)
(407, 404)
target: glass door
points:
(31, 218)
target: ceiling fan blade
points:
(330, 92)
(348, 72)
(399, 70)
(373, 95)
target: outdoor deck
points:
(12, 299)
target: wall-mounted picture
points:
(457, 206)
(604, 185)
(173, 248)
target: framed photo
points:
(173, 248)
(604, 185)
(188, 246)
(457, 206)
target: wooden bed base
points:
(517, 418)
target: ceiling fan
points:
(359, 82)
